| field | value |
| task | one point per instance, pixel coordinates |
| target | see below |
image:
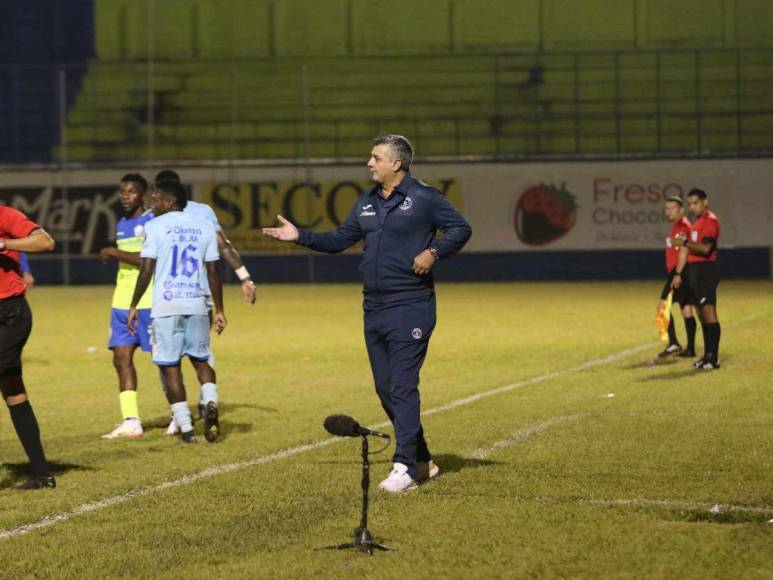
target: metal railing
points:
(572, 105)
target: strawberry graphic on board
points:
(544, 213)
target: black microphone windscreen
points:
(341, 426)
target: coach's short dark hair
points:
(136, 178)
(176, 190)
(699, 193)
(166, 175)
(401, 147)
(676, 199)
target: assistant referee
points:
(699, 250)
(399, 219)
(19, 234)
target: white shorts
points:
(173, 337)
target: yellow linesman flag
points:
(663, 317)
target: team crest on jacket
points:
(416, 333)
(406, 204)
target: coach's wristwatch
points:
(433, 251)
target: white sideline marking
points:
(49, 521)
(716, 508)
(522, 435)
(533, 381)
(679, 504)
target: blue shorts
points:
(119, 332)
(174, 337)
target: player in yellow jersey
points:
(130, 231)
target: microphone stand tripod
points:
(363, 540)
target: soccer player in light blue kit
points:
(180, 254)
(227, 252)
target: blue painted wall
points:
(468, 267)
(36, 36)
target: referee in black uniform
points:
(19, 234)
(398, 219)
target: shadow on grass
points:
(447, 462)
(228, 407)
(452, 463)
(162, 422)
(672, 376)
(228, 428)
(18, 472)
(654, 362)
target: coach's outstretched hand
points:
(286, 233)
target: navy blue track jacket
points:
(395, 232)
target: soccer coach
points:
(398, 219)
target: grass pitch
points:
(589, 463)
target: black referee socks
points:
(690, 327)
(672, 332)
(711, 334)
(27, 429)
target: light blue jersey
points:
(181, 244)
(203, 212)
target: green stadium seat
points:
(550, 103)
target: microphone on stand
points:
(345, 426)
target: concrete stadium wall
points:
(531, 221)
(186, 29)
(607, 265)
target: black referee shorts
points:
(681, 294)
(15, 328)
(704, 279)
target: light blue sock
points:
(208, 393)
(182, 416)
(211, 363)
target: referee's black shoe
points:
(38, 482)
(687, 353)
(671, 349)
(700, 362)
(211, 422)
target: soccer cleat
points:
(211, 422)
(172, 429)
(426, 471)
(687, 353)
(670, 350)
(189, 437)
(38, 482)
(710, 365)
(398, 481)
(129, 429)
(699, 363)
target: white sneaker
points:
(130, 429)
(173, 428)
(426, 471)
(398, 481)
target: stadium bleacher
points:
(245, 79)
(615, 103)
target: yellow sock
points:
(129, 408)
